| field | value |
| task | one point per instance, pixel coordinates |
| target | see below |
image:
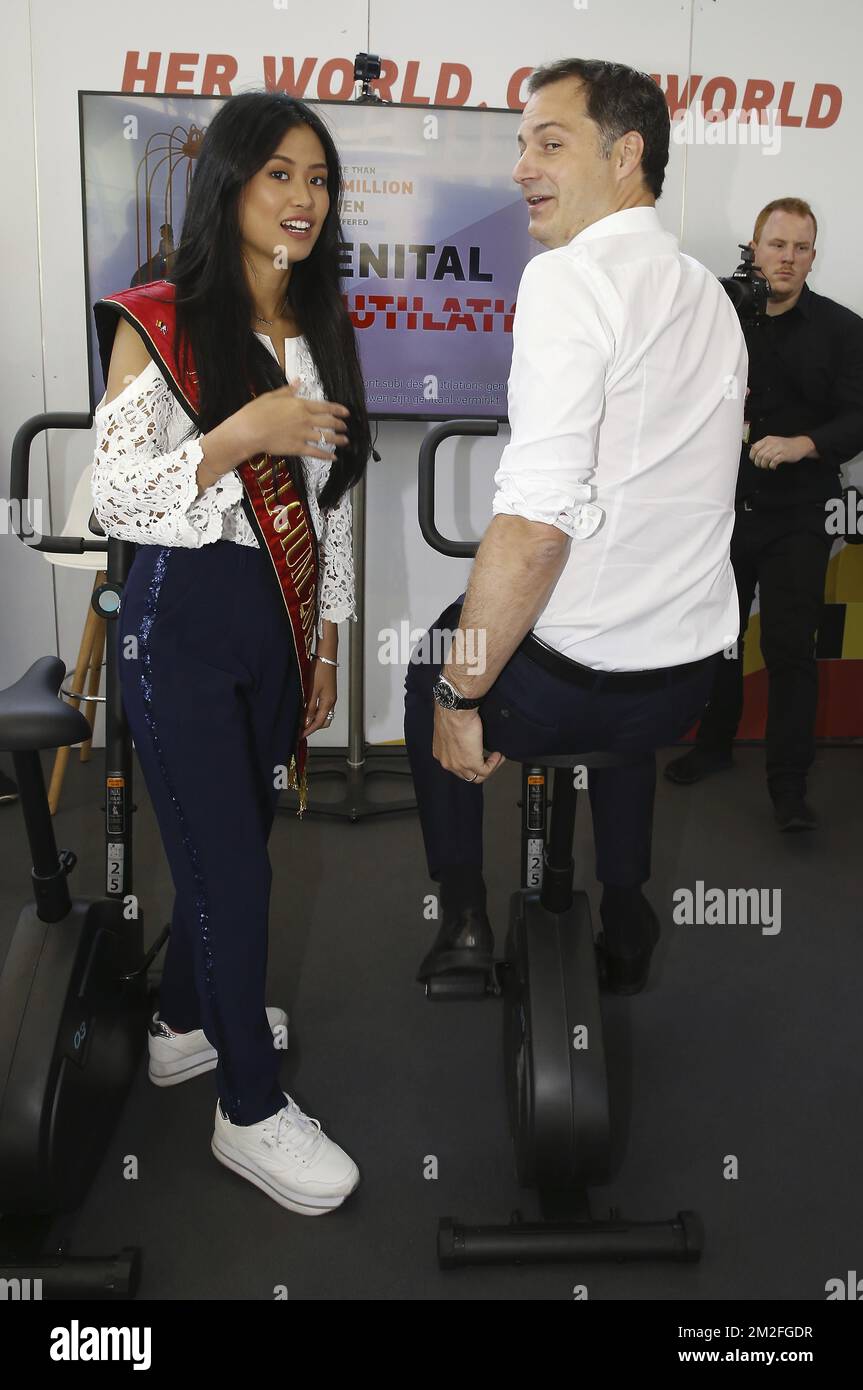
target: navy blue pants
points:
(212, 693)
(530, 711)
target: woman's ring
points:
(323, 440)
(329, 716)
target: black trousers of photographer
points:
(529, 711)
(785, 552)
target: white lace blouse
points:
(145, 488)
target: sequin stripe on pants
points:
(211, 690)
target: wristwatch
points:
(448, 697)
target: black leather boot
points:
(792, 811)
(625, 946)
(465, 942)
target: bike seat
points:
(592, 759)
(32, 716)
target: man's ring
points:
(472, 779)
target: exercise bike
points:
(74, 996)
(549, 981)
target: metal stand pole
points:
(355, 764)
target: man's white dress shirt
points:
(626, 403)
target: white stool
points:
(92, 649)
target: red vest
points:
(280, 521)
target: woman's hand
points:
(322, 699)
(283, 423)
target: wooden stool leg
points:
(84, 653)
(94, 679)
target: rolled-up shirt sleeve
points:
(563, 345)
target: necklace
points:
(268, 322)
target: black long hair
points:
(214, 304)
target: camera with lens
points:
(367, 67)
(747, 289)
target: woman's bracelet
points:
(325, 659)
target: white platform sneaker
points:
(176, 1057)
(289, 1158)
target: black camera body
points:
(747, 289)
(367, 67)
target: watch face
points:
(445, 695)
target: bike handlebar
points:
(425, 494)
(19, 481)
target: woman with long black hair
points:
(232, 429)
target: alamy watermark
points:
(729, 907)
(25, 521)
(736, 126)
(439, 646)
(844, 515)
(79, 1342)
(20, 1290)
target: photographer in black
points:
(804, 417)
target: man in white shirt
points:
(602, 592)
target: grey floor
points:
(744, 1046)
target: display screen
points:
(434, 232)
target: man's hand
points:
(457, 745)
(774, 449)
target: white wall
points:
(27, 616)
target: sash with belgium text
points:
(278, 517)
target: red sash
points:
(279, 522)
